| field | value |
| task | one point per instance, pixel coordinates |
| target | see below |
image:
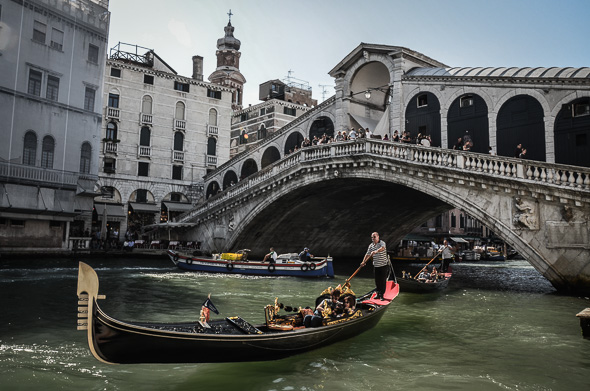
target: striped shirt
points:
(380, 258)
(447, 253)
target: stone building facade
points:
(161, 134)
(253, 124)
(52, 56)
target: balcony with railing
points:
(110, 146)
(113, 113)
(212, 130)
(211, 160)
(145, 119)
(144, 151)
(20, 173)
(179, 124)
(177, 156)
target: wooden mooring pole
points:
(585, 322)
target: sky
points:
(308, 38)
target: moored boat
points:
(232, 339)
(237, 263)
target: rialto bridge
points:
(330, 197)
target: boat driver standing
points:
(447, 256)
(378, 252)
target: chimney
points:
(198, 68)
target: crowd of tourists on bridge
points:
(463, 143)
(361, 133)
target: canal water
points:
(499, 326)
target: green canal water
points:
(499, 326)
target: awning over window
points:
(139, 207)
(114, 211)
(177, 207)
(459, 240)
(417, 238)
(171, 225)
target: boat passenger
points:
(271, 257)
(349, 305)
(433, 275)
(323, 310)
(305, 256)
(424, 275)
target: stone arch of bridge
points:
(369, 193)
(230, 178)
(271, 154)
(293, 141)
(249, 167)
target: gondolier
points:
(447, 256)
(378, 251)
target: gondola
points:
(416, 286)
(237, 263)
(224, 340)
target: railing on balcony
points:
(16, 173)
(79, 243)
(110, 147)
(212, 130)
(145, 119)
(211, 160)
(177, 156)
(179, 124)
(143, 151)
(113, 112)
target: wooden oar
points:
(355, 273)
(425, 266)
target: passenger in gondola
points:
(433, 275)
(326, 308)
(424, 275)
(348, 307)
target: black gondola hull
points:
(119, 342)
(222, 340)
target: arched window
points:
(179, 114)
(144, 136)
(178, 141)
(85, 156)
(211, 146)
(146, 105)
(47, 152)
(30, 149)
(261, 132)
(111, 131)
(213, 117)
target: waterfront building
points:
(162, 132)
(282, 102)
(52, 61)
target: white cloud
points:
(180, 32)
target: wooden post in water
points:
(585, 322)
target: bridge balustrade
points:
(497, 166)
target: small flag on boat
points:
(209, 304)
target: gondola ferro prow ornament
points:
(87, 294)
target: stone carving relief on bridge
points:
(231, 225)
(525, 214)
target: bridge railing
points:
(549, 173)
(496, 166)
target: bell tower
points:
(228, 72)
